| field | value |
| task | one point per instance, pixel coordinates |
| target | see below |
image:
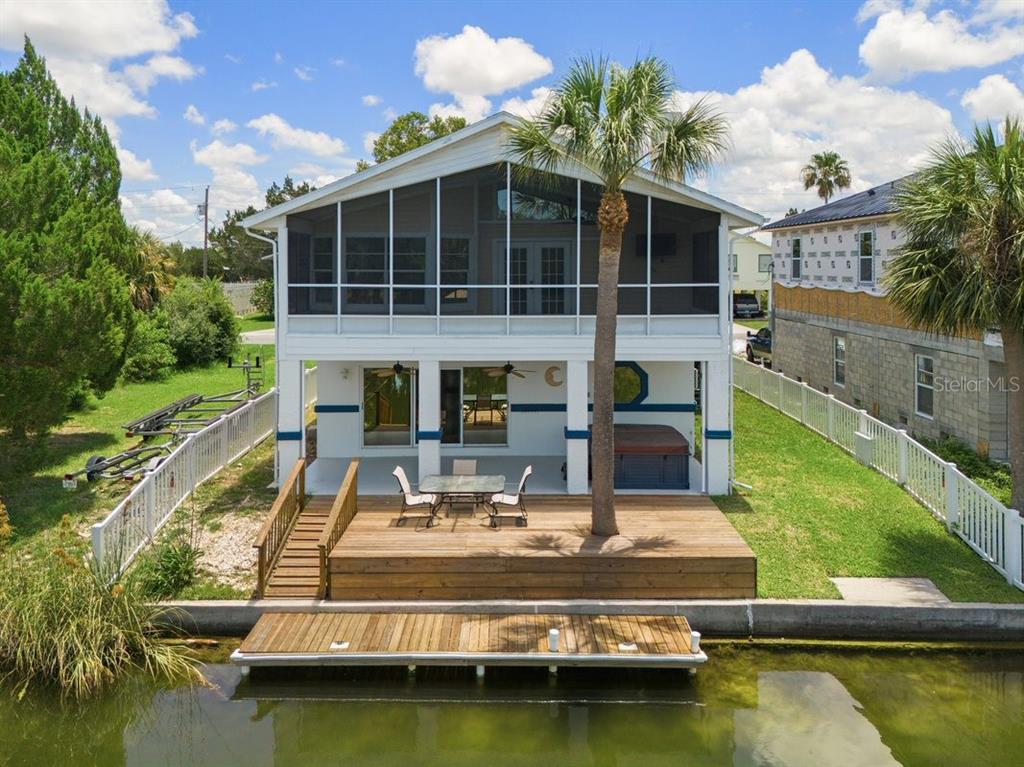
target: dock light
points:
(627, 646)
(695, 642)
(553, 637)
(339, 644)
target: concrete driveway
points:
(265, 336)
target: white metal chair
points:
(517, 500)
(411, 500)
(463, 467)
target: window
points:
(628, 386)
(764, 262)
(924, 396)
(735, 263)
(484, 407)
(414, 228)
(387, 407)
(410, 269)
(839, 360)
(867, 256)
(796, 259)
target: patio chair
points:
(463, 467)
(411, 500)
(484, 402)
(518, 500)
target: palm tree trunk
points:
(612, 217)
(1013, 353)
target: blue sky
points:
(235, 95)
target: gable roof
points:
(748, 217)
(876, 201)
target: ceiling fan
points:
(507, 369)
(395, 370)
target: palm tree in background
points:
(961, 271)
(614, 121)
(152, 273)
(827, 171)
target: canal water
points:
(749, 706)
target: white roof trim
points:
(500, 118)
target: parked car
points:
(746, 305)
(759, 346)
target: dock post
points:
(695, 642)
(553, 670)
(480, 672)
(412, 670)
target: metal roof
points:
(876, 201)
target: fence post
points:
(1013, 535)
(830, 409)
(225, 443)
(149, 503)
(99, 552)
(903, 446)
(862, 421)
(803, 403)
(952, 496)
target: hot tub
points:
(651, 457)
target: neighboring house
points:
(411, 349)
(751, 264)
(835, 329)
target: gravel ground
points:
(228, 554)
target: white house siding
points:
(747, 275)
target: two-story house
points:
(449, 307)
(834, 328)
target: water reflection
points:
(749, 707)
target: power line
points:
(177, 234)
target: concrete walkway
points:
(890, 591)
(264, 337)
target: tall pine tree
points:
(65, 251)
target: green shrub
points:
(150, 357)
(169, 567)
(200, 322)
(63, 625)
(991, 475)
(263, 297)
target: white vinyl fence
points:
(132, 524)
(995, 532)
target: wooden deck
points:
(296, 573)
(669, 547)
(318, 638)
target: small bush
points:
(200, 322)
(63, 625)
(991, 475)
(263, 297)
(150, 357)
(6, 530)
(170, 566)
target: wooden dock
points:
(318, 638)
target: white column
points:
(428, 428)
(291, 420)
(577, 424)
(717, 429)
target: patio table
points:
(450, 486)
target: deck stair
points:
(296, 572)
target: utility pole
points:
(206, 229)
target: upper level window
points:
(735, 263)
(796, 259)
(764, 262)
(866, 249)
(839, 360)
(924, 385)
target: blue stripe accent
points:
(289, 436)
(336, 409)
(577, 433)
(538, 407)
(428, 435)
(653, 407)
(718, 434)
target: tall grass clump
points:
(64, 625)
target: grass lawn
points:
(752, 324)
(814, 512)
(35, 499)
(255, 322)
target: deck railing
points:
(993, 531)
(118, 539)
(291, 500)
(342, 511)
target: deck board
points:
(306, 638)
(669, 547)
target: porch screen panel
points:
(473, 208)
(415, 243)
(365, 255)
(312, 262)
(684, 259)
(633, 259)
(543, 256)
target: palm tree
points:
(827, 171)
(614, 121)
(153, 269)
(962, 269)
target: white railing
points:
(995, 532)
(118, 539)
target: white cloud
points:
(472, 65)
(390, 114)
(996, 10)
(994, 98)
(233, 58)
(262, 85)
(284, 135)
(318, 175)
(370, 100)
(232, 186)
(194, 116)
(903, 43)
(368, 138)
(304, 73)
(278, 57)
(217, 155)
(165, 212)
(527, 107)
(223, 126)
(133, 168)
(143, 76)
(338, 62)
(798, 108)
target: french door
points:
(535, 264)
